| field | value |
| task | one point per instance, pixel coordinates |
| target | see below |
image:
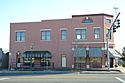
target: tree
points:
(123, 51)
(123, 58)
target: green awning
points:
(36, 54)
(79, 52)
(95, 52)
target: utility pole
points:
(107, 37)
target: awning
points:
(95, 52)
(79, 52)
(36, 54)
(114, 54)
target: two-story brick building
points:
(77, 42)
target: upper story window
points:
(110, 36)
(63, 34)
(80, 34)
(87, 20)
(108, 21)
(20, 36)
(97, 33)
(46, 35)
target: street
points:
(65, 78)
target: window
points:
(80, 59)
(110, 36)
(20, 36)
(97, 33)
(27, 61)
(45, 35)
(80, 34)
(95, 59)
(108, 21)
(63, 34)
(87, 20)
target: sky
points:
(36, 10)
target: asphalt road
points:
(65, 78)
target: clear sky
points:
(37, 10)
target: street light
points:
(31, 48)
(78, 37)
(10, 61)
(17, 56)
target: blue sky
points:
(37, 10)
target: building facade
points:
(77, 42)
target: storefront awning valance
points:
(114, 54)
(79, 52)
(95, 52)
(36, 54)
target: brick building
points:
(77, 42)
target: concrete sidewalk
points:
(17, 73)
(120, 68)
(117, 70)
(50, 72)
(100, 72)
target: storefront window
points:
(80, 59)
(95, 59)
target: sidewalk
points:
(18, 73)
(120, 68)
(100, 72)
(50, 72)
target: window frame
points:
(20, 35)
(95, 59)
(108, 21)
(83, 35)
(80, 59)
(45, 35)
(110, 34)
(96, 34)
(63, 35)
(87, 20)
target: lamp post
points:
(10, 61)
(31, 48)
(77, 38)
(17, 56)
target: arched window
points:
(87, 20)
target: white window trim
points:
(63, 29)
(45, 30)
(81, 28)
(45, 40)
(20, 30)
(96, 27)
(88, 23)
(92, 42)
(19, 41)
